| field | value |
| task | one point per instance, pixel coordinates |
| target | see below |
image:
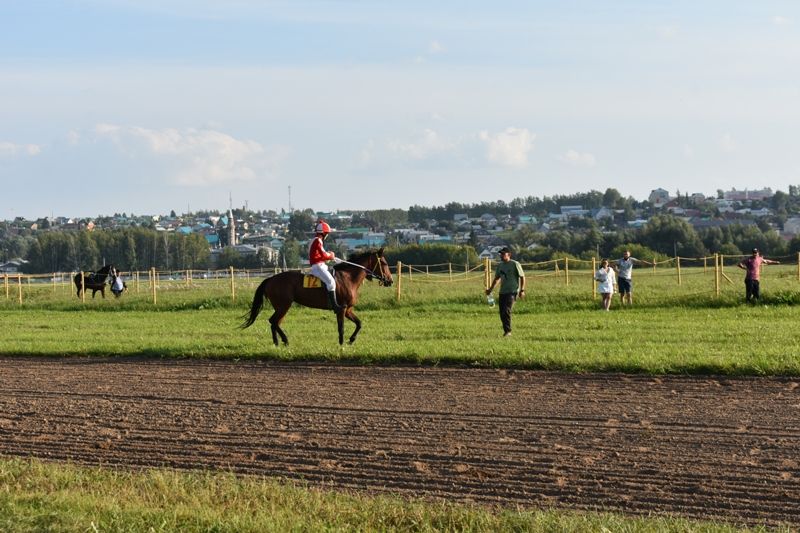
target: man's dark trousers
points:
(751, 287)
(506, 303)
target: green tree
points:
(301, 224)
(669, 235)
(638, 251)
(229, 257)
(290, 253)
(431, 254)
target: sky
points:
(147, 106)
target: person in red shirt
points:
(752, 279)
(317, 256)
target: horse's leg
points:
(275, 324)
(340, 325)
(355, 320)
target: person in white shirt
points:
(624, 268)
(605, 277)
(117, 285)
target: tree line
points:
(128, 249)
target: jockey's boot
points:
(332, 301)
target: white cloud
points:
(577, 159)
(9, 149)
(196, 156)
(728, 144)
(435, 48)
(430, 144)
(433, 149)
(508, 148)
(779, 20)
(688, 151)
(73, 138)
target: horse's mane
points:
(355, 258)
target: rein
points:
(370, 273)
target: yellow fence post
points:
(54, 282)
(233, 287)
(558, 272)
(136, 281)
(716, 274)
(705, 265)
(5, 280)
(678, 267)
(19, 283)
(566, 270)
(427, 271)
(450, 270)
(153, 284)
(83, 285)
(721, 265)
(188, 278)
(399, 270)
(654, 265)
(594, 285)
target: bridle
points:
(379, 275)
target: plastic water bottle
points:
(490, 300)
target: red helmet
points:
(322, 227)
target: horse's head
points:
(106, 270)
(378, 267)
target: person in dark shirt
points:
(512, 286)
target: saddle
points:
(311, 282)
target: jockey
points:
(317, 256)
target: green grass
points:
(671, 328)
(38, 496)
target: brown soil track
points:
(702, 447)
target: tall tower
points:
(231, 228)
(231, 221)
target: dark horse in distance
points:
(287, 287)
(94, 281)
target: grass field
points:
(37, 496)
(671, 328)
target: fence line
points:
(566, 268)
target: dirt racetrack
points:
(706, 447)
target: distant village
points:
(265, 233)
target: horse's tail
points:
(258, 303)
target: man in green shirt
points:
(512, 285)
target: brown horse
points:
(94, 281)
(287, 287)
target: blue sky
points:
(146, 106)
